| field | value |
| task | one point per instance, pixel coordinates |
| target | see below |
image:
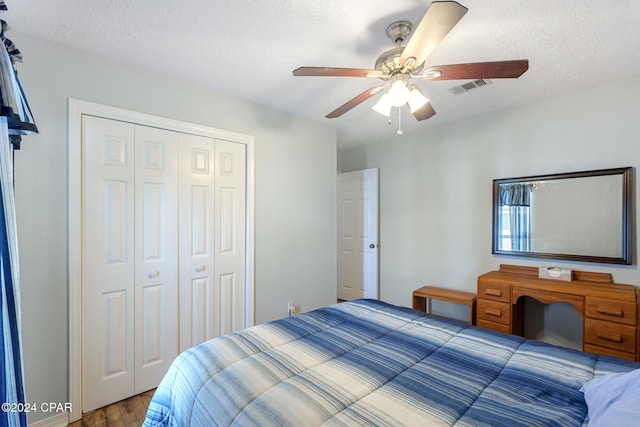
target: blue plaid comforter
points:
(370, 363)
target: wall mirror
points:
(578, 216)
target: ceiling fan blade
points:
(424, 112)
(336, 72)
(478, 70)
(353, 102)
(439, 19)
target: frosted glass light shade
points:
(398, 93)
(416, 100)
(383, 106)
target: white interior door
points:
(196, 192)
(129, 271)
(230, 235)
(212, 238)
(358, 234)
(156, 253)
(108, 262)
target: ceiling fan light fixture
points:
(398, 93)
(383, 106)
(397, 66)
(416, 100)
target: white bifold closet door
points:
(163, 251)
(156, 251)
(212, 238)
(130, 248)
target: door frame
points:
(76, 109)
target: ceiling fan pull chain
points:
(400, 132)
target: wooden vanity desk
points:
(609, 310)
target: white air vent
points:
(457, 90)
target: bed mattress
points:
(371, 363)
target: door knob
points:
(201, 268)
(154, 274)
(372, 245)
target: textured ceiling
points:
(249, 48)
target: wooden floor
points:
(129, 412)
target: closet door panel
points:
(229, 311)
(117, 207)
(115, 333)
(153, 300)
(230, 191)
(156, 254)
(108, 264)
(201, 310)
(198, 298)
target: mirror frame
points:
(627, 217)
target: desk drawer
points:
(494, 311)
(590, 348)
(505, 329)
(494, 291)
(610, 335)
(615, 311)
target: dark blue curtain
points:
(518, 198)
(520, 228)
(15, 120)
(515, 195)
(10, 351)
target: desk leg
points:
(419, 303)
(517, 318)
(472, 313)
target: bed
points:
(367, 362)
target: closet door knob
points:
(154, 274)
(201, 268)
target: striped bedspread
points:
(370, 363)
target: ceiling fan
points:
(397, 66)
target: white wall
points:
(295, 194)
(435, 186)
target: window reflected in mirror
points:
(582, 216)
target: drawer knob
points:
(494, 292)
(617, 338)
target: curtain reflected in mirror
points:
(514, 217)
(581, 216)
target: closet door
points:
(212, 238)
(108, 262)
(163, 237)
(230, 221)
(130, 259)
(156, 254)
(197, 293)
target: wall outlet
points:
(291, 308)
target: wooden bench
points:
(422, 299)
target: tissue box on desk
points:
(555, 273)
